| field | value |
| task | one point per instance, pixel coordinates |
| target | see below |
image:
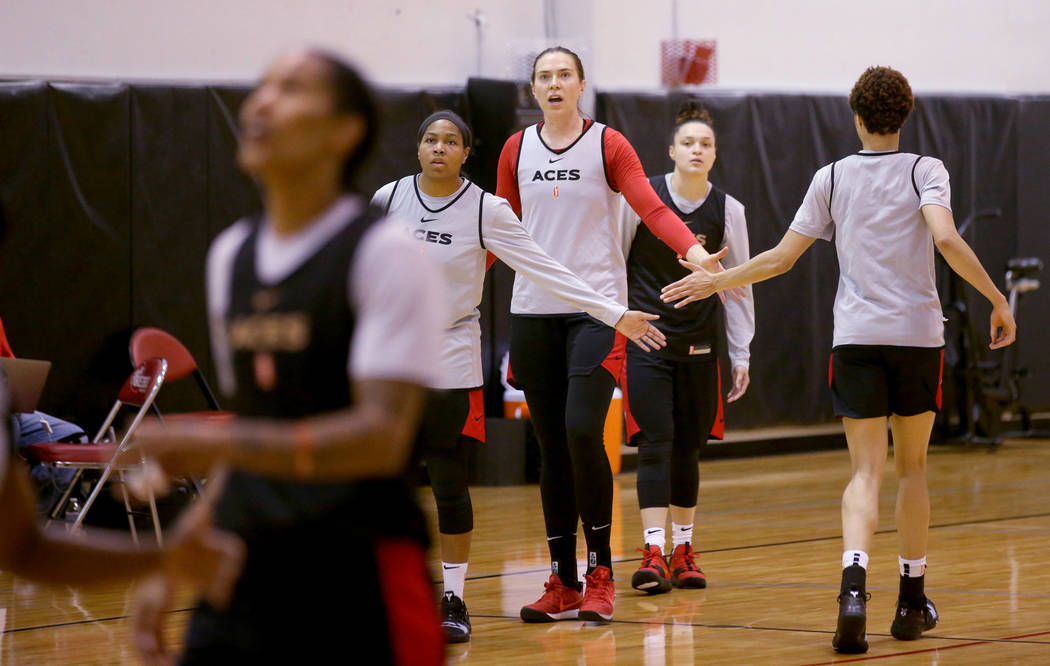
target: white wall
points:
(399, 42)
(812, 45)
(942, 45)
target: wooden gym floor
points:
(768, 534)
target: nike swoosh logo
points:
(447, 568)
(600, 527)
(551, 160)
(428, 219)
(477, 418)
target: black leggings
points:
(675, 404)
(446, 453)
(557, 361)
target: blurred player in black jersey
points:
(325, 321)
(678, 388)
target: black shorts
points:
(280, 612)
(546, 350)
(445, 416)
(878, 380)
(664, 399)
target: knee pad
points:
(685, 477)
(455, 512)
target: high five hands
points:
(700, 283)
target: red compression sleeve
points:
(507, 173)
(626, 175)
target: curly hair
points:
(691, 112)
(883, 99)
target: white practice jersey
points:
(457, 232)
(887, 289)
(568, 206)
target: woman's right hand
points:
(208, 558)
(636, 327)
(153, 600)
(1003, 326)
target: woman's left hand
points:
(741, 380)
(181, 447)
(635, 326)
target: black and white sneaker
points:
(851, 636)
(455, 619)
(909, 623)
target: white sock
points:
(681, 533)
(912, 568)
(851, 557)
(655, 536)
(454, 575)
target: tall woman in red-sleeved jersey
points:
(564, 177)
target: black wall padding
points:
(396, 151)
(769, 146)
(493, 106)
(1033, 239)
(114, 191)
(113, 194)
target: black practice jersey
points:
(696, 331)
(290, 344)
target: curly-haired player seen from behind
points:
(886, 210)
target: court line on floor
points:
(790, 542)
(883, 496)
(534, 571)
(73, 623)
(934, 591)
(974, 642)
(1016, 640)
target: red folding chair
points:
(152, 342)
(139, 391)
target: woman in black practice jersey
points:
(324, 321)
(678, 387)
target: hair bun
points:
(690, 111)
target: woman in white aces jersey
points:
(458, 224)
(564, 177)
(886, 211)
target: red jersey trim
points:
(414, 626)
(474, 426)
(718, 428)
(632, 426)
(5, 346)
(940, 381)
(614, 362)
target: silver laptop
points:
(25, 381)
